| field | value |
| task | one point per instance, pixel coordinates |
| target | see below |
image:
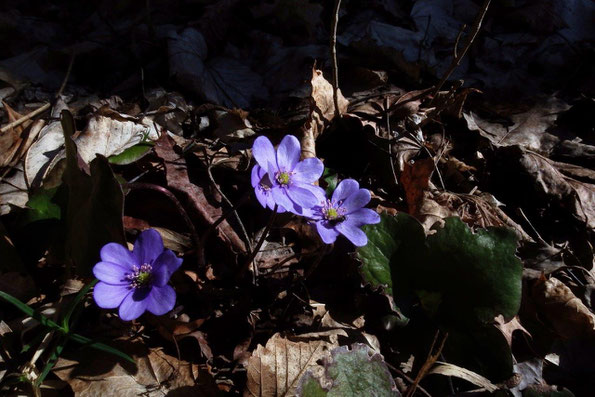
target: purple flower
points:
(288, 182)
(262, 187)
(136, 281)
(344, 214)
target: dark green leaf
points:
(42, 207)
(77, 299)
(463, 277)
(331, 178)
(132, 154)
(28, 310)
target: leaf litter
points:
(479, 276)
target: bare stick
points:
(456, 61)
(432, 358)
(334, 56)
(43, 107)
(259, 244)
(390, 143)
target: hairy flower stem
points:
(258, 245)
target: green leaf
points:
(309, 387)
(51, 360)
(132, 154)
(41, 206)
(352, 373)
(461, 276)
(29, 311)
(394, 241)
(95, 205)
(77, 299)
(331, 178)
(100, 346)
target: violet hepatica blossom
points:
(281, 178)
(136, 281)
(344, 214)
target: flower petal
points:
(288, 153)
(117, 253)
(262, 197)
(264, 153)
(327, 232)
(161, 300)
(111, 273)
(357, 200)
(308, 170)
(353, 233)
(316, 190)
(109, 296)
(363, 216)
(148, 246)
(164, 266)
(134, 304)
(344, 189)
(256, 175)
(302, 196)
(280, 197)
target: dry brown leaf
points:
(508, 328)
(567, 314)
(92, 373)
(322, 111)
(274, 370)
(178, 179)
(463, 373)
(415, 179)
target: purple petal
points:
(326, 231)
(116, 253)
(353, 233)
(161, 300)
(316, 190)
(364, 216)
(288, 153)
(280, 197)
(164, 266)
(344, 189)
(262, 197)
(308, 170)
(133, 305)
(109, 296)
(256, 175)
(357, 200)
(264, 153)
(111, 273)
(148, 246)
(302, 196)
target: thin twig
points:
(212, 227)
(228, 201)
(432, 358)
(175, 201)
(43, 107)
(407, 378)
(334, 56)
(456, 61)
(259, 244)
(26, 117)
(390, 144)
